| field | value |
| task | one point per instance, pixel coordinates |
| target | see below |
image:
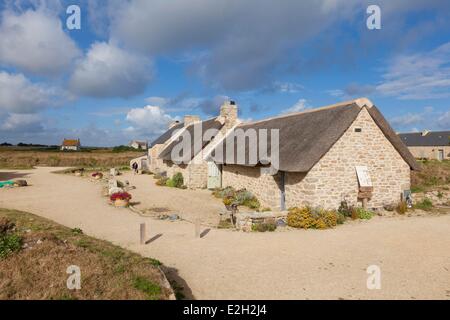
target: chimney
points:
(173, 124)
(229, 111)
(189, 119)
(425, 132)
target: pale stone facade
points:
(333, 178)
(432, 152)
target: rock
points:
(114, 172)
(6, 225)
(20, 183)
(112, 183)
(281, 223)
(174, 217)
(114, 190)
(39, 241)
(389, 207)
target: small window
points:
(358, 129)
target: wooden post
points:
(364, 203)
(142, 229)
(197, 228)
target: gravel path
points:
(413, 253)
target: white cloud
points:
(300, 105)
(428, 119)
(34, 41)
(110, 71)
(22, 122)
(444, 121)
(148, 121)
(19, 95)
(419, 76)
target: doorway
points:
(214, 175)
(440, 155)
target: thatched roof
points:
(71, 143)
(307, 136)
(167, 135)
(195, 140)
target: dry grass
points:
(26, 159)
(434, 174)
(107, 271)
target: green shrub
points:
(264, 226)
(345, 209)
(364, 214)
(425, 204)
(175, 182)
(178, 180)
(9, 243)
(340, 218)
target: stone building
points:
(183, 146)
(136, 144)
(345, 151)
(427, 144)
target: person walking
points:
(135, 167)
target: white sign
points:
(363, 176)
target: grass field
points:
(35, 254)
(25, 158)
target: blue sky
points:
(137, 65)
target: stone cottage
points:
(428, 144)
(182, 147)
(71, 144)
(345, 151)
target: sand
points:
(412, 252)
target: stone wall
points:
(334, 178)
(263, 186)
(429, 152)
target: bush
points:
(364, 214)
(401, 207)
(340, 218)
(425, 204)
(9, 243)
(241, 197)
(317, 218)
(264, 226)
(345, 209)
(178, 180)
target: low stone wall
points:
(246, 220)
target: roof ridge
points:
(360, 102)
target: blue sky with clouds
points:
(137, 65)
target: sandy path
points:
(189, 204)
(413, 253)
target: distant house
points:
(71, 144)
(143, 145)
(428, 144)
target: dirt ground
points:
(413, 253)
